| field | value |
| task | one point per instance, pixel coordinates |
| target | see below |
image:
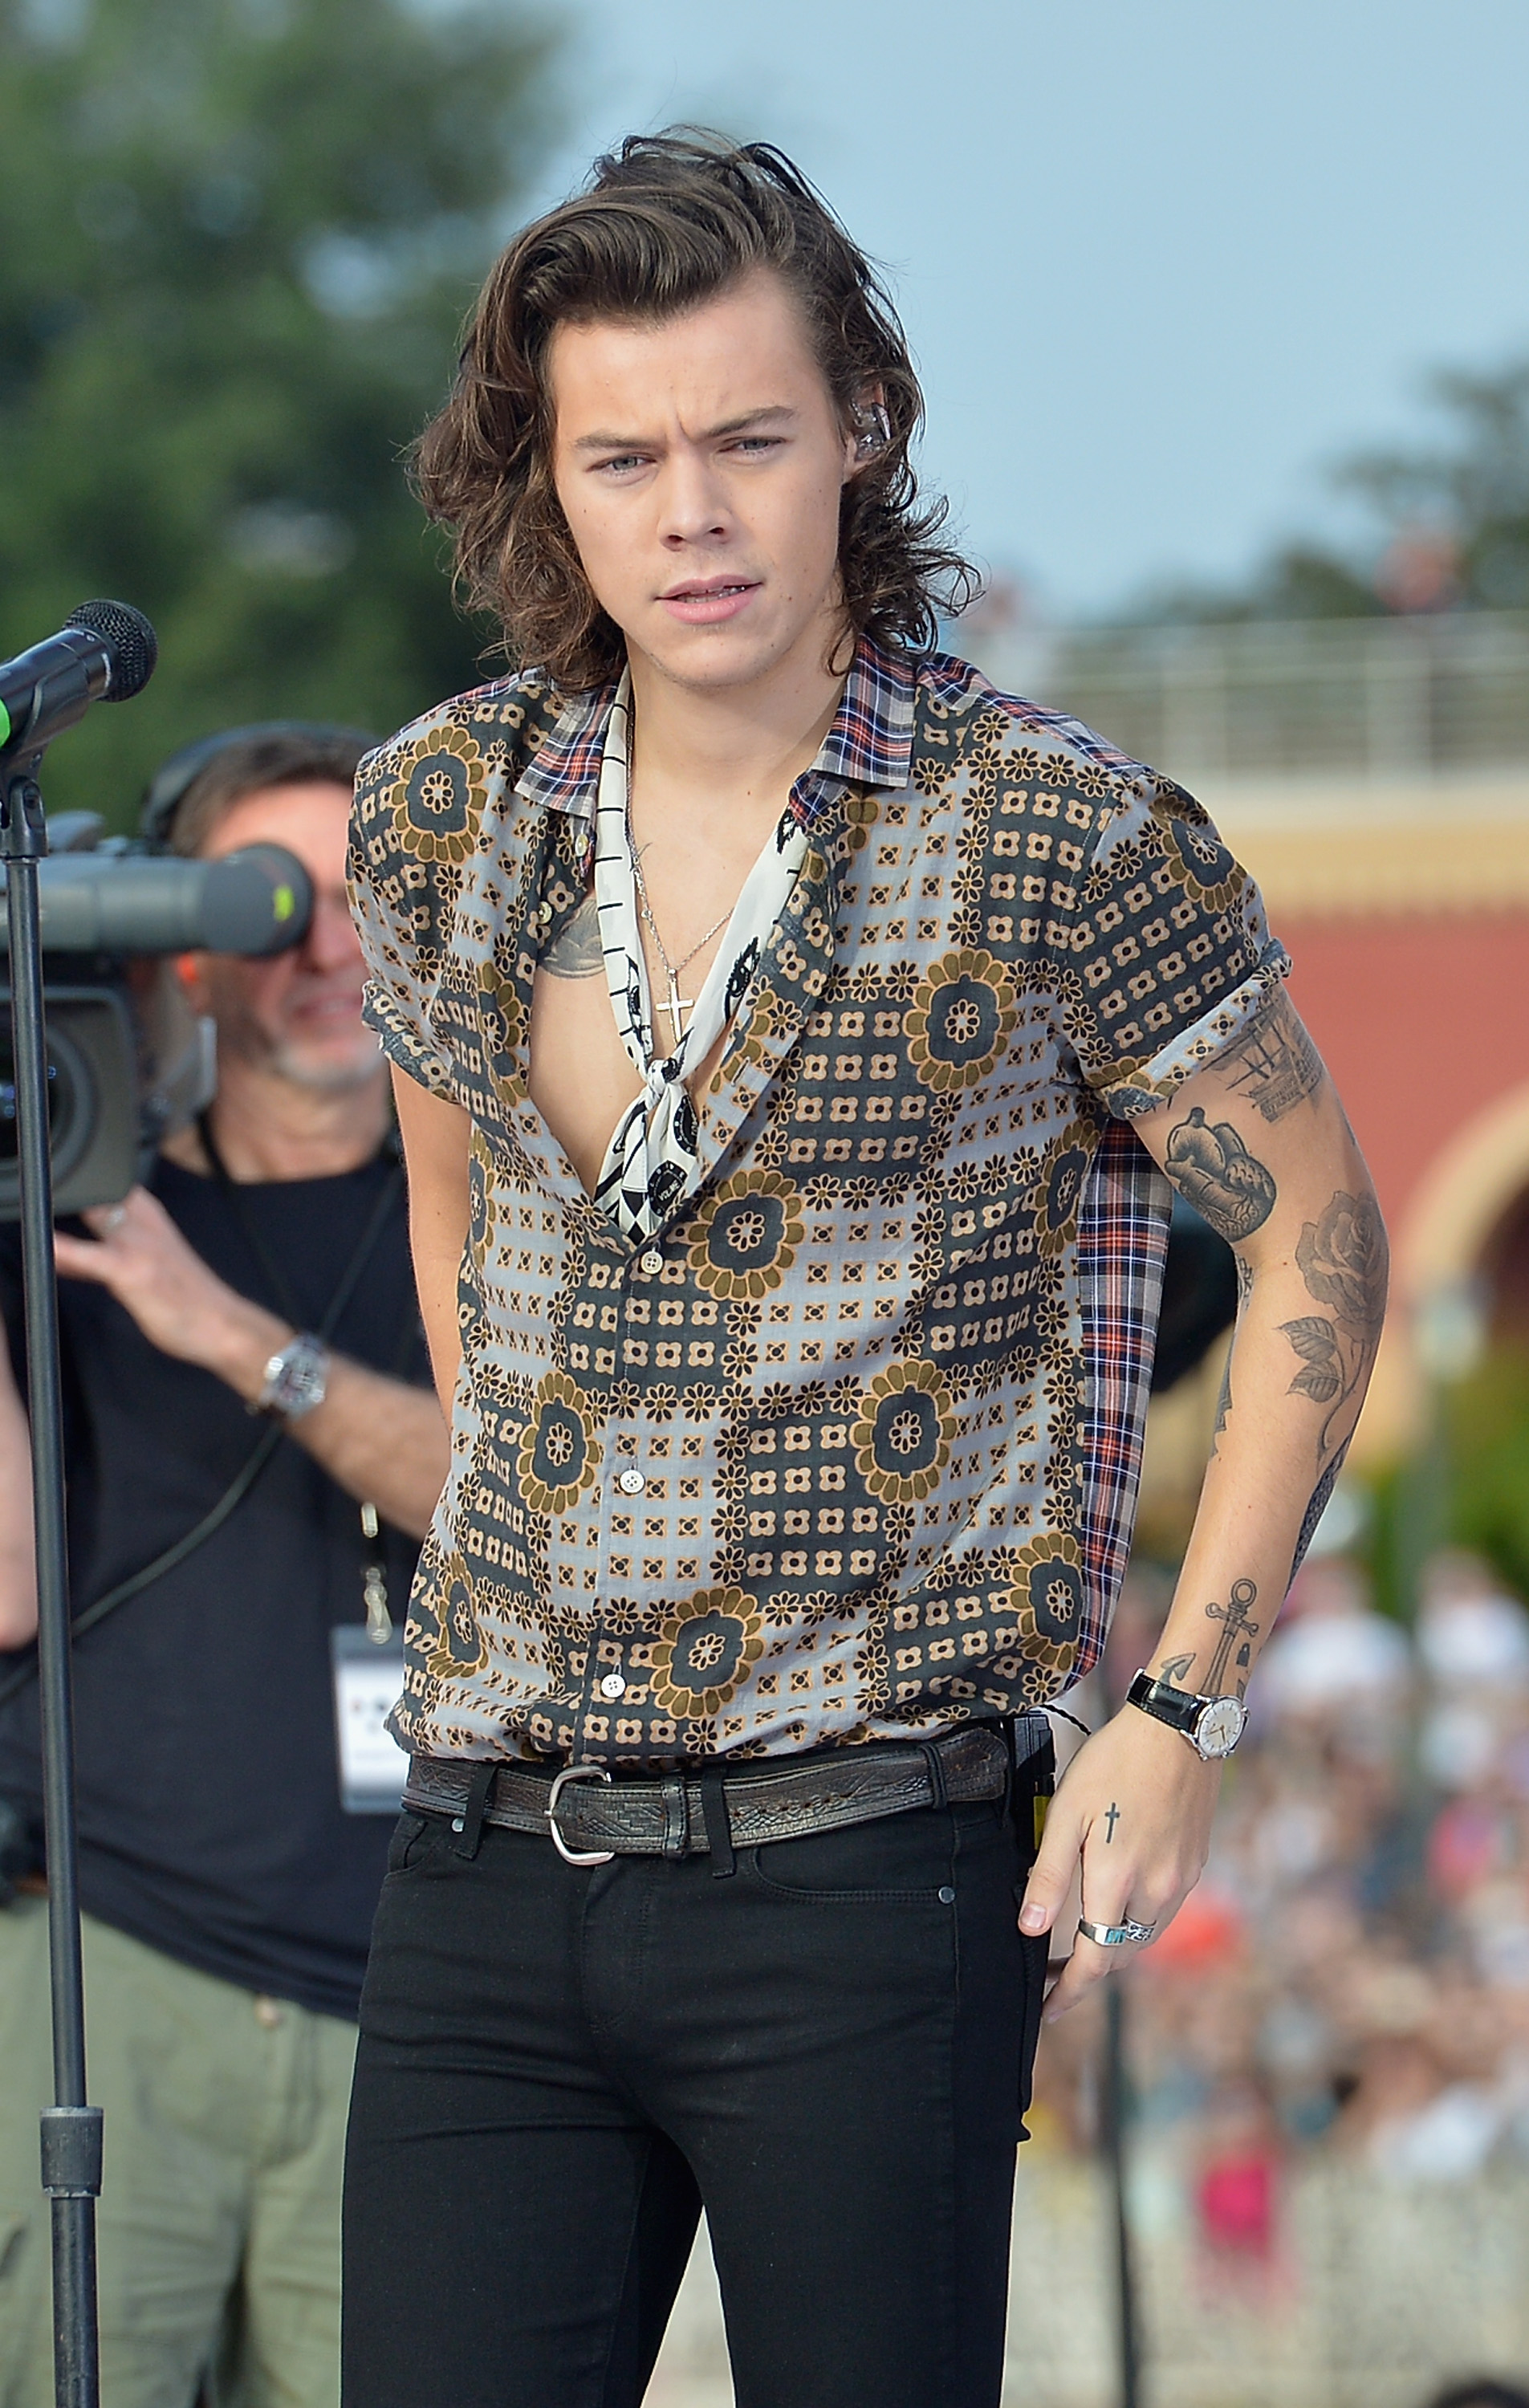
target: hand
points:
(1134, 1805)
(180, 1306)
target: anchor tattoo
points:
(1237, 1624)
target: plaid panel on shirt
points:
(868, 744)
(1122, 1244)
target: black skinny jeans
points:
(829, 2048)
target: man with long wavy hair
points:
(790, 1036)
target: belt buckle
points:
(560, 1783)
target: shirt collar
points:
(871, 743)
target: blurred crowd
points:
(1353, 1973)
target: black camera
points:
(127, 1058)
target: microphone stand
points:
(71, 2129)
(1114, 2116)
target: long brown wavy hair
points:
(666, 223)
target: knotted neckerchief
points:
(652, 1163)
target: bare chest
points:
(581, 1079)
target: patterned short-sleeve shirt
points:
(849, 1449)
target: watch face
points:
(1219, 1726)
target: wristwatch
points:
(1212, 1725)
(296, 1379)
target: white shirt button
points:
(630, 1483)
(652, 1262)
(613, 1685)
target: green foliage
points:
(1462, 502)
(236, 240)
(1298, 581)
(1465, 1486)
(1487, 1439)
(1472, 488)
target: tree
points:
(1450, 522)
(237, 239)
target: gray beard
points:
(324, 1078)
(239, 1041)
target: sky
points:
(1162, 262)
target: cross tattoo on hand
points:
(1111, 1818)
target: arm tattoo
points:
(575, 951)
(1316, 1509)
(1213, 1170)
(1223, 1403)
(1342, 1257)
(1238, 1631)
(1274, 1063)
(1176, 1671)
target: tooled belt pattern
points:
(666, 1817)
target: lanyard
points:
(374, 1581)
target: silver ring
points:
(116, 1216)
(1117, 1935)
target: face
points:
(296, 1015)
(699, 462)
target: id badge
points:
(368, 1682)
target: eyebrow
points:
(771, 416)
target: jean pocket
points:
(901, 1857)
(406, 1833)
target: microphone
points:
(105, 651)
(257, 901)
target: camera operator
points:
(256, 1294)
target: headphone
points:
(171, 781)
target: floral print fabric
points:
(843, 1442)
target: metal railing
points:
(1374, 698)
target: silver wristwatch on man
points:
(296, 1377)
(1212, 1725)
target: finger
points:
(1090, 1963)
(1081, 1971)
(104, 1219)
(83, 1258)
(1106, 1903)
(1051, 1875)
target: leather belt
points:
(591, 1817)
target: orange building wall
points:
(1422, 1022)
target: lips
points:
(707, 589)
(702, 602)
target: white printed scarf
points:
(651, 1163)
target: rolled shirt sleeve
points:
(1170, 945)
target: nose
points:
(692, 505)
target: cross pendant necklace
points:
(678, 1030)
(676, 1002)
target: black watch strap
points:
(1212, 1725)
(1180, 1709)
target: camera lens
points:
(70, 1113)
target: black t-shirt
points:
(210, 1819)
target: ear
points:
(869, 431)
